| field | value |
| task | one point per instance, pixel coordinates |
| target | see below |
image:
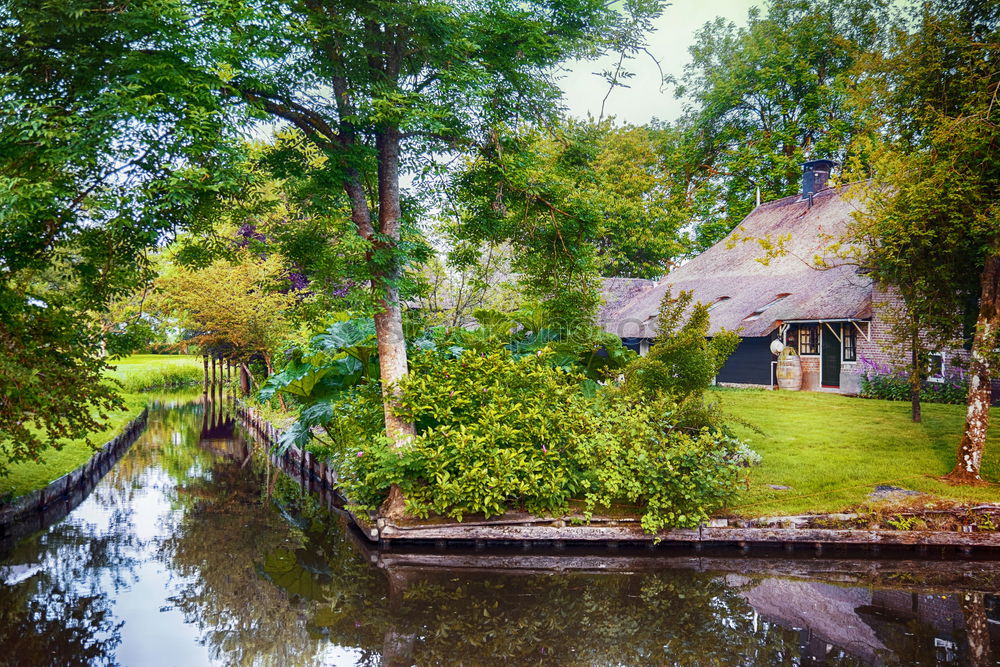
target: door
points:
(830, 361)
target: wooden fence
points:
(311, 474)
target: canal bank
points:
(977, 532)
(193, 551)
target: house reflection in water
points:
(873, 625)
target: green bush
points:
(495, 433)
(642, 455)
(683, 359)
(879, 381)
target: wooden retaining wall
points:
(42, 508)
(305, 469)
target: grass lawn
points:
(135, 372)
(833, 450)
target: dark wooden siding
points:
(750, 363)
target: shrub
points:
(493, 432)
(682, 360)
(879, 381)
(640, 454)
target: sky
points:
(645, 99)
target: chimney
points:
(815, 175)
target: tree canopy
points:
(764, 98)
(933, 222)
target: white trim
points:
(843, 359)
(944, 366)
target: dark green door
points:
(830, 363)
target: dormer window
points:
(756, 314)
(718, 301)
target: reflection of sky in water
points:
(178, 559)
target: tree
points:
(683, 359)
(764, 98)
(105, 147)
(379, 85)
(590, 184)
(936, 220)
(240, 304)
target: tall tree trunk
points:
(389, 320)
(977, 414)
(916, 373)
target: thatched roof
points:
(730, 269)
(617, 292)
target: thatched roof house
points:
(827, 315)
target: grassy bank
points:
(833, 450)
(138, 373)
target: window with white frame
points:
(935, 367)
(808, 336)
(849, 338)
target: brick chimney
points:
(815, 174)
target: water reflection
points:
(181, 556)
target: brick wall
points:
(810, 373)
(881, 348)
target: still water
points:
(191, 551)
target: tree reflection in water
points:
(278, 580)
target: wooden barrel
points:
(789, 371)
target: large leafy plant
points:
(335, 363)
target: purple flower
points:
(361, 453)
(247, 233)
(298, 281)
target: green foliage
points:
(107, 144)
(682, 361)
(896, 387)
(587, 197)
(495, 432)
(766, 97)
(52, 386)
(638, 454)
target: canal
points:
(193, 551)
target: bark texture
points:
(977, 631)
(915, 376)
(977, 415)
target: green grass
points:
(143, 372)
(137, 374)
(832, 450)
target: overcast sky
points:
(645, 100)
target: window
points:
(809, 339)
(849, 334)
(718, 301)
(756, 314)
(935, 367)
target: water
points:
(181, 557)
